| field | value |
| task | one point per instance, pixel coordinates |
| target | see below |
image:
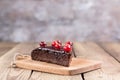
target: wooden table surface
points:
(108, 53)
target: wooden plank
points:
(46, 76)
(8, 73)
(4, 50)
(6, 46)
(110, 67)
(112, 48)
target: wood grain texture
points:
(110, 67)
(47, 76)
(112, 48)
(6, 46)
(9, 73)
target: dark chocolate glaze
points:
(51, 55)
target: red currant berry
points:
(54, 43)
(57, 46)
(42, 44)
(67, 48)
(69, 42)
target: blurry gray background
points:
(75, 20)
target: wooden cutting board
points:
(77, 65)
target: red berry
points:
(69, 42)
(57, 46)
(42, 44)
(54, 43)
(67, 48)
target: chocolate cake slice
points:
(53, 55)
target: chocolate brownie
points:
(56, 53)
(51, 55)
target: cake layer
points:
(50, 55)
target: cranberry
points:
(69, 42)
(54, 43)
(67, 48)
(57, 46)
(42, 44)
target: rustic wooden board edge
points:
(77, 66)
(94, 67)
